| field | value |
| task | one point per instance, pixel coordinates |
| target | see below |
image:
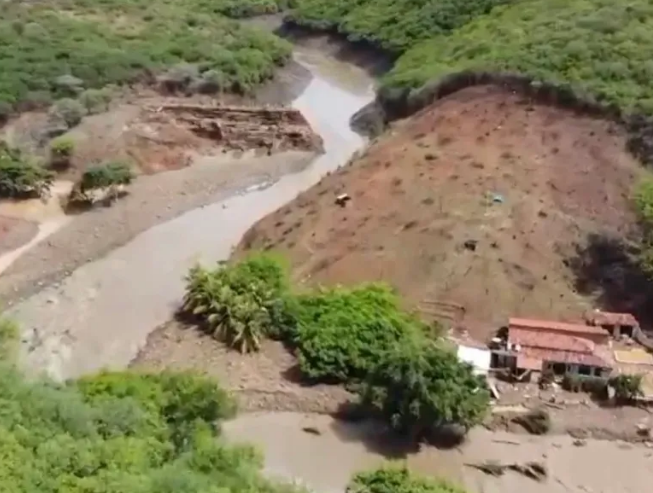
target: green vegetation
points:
(357, 335)
(22, 177)
(57, 49)
(120, 432)
(111, 174)
(394, 25)
(627, 388)
(96, 100)
(240, 303)
(597, 47)
(68, 111)
(420, 385)
(61, 152)
(396, 478)
(107, 179)
(643, 201)
(343, 333)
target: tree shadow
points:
(355, 423)
(607, 268)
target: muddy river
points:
(325, 458)
(101, 314)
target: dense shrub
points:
(597, 47)
(21, 176)
(397, 478)
(121, 432)
(95, 100)
(111, 174)
(69, 111)
(627, 388)
(394, 25)
(119, 42)
(419, 386)
(344, 332)
(61, 151)
(240, 303)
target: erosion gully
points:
(101, 315)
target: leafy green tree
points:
(397, 478)
(343, 332)
(419, 386)
(240, 303)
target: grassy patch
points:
(597, 47)
(119, 41)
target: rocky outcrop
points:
(245, 127)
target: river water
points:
(101, 315)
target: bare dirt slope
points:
(521, 184)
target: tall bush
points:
(419, 386)
(343, 332)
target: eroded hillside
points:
(481, 200)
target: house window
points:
(584, 370)
(559, 368)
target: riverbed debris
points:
(534, 470)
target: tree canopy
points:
(420, 385)
(122, 432)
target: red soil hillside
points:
(523, 183)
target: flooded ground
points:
(101, 314)
(323, 453)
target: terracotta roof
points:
(611, 318)
(555, 326)
(550, 340)
(569, 357)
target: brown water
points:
(324, 462)
(101, 315)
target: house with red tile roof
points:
(616, 324)
(536, 346)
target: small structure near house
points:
(531, 347)
(617, 325)
(479, 358)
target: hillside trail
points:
(100, 316)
